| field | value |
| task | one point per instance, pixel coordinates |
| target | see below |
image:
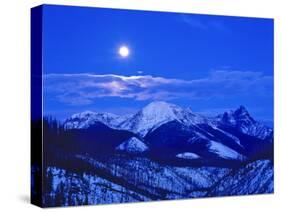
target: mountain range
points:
(167, 132)
(161, 152)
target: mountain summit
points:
(241, 119)
(158, 113)
(88, 118)
(238, 116)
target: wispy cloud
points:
(203, 24)
(82, 89)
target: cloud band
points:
(83, 88)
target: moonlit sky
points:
(208, 63)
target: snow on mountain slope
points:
(87, 118)
(188, 155)
(254, 178)
(158, 113)
(132, 145)
(237, 140)
(84, 189)
(242, 120)
(121, 179)
(224, 151)
(158, 179)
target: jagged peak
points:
(88, 113)
(188, 109)
(242, 107)
(241, 110)
(87, 118)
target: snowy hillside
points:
(139, 179)
(224, 151)
(254, 178)
(132, 145)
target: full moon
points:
(124, 51)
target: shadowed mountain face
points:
(161, 152)
(98, 138)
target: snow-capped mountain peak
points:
(161, 111)
(157, 113)
(87, 118)
(148, 118)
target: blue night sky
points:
(208, 63)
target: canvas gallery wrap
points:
(136, 106)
